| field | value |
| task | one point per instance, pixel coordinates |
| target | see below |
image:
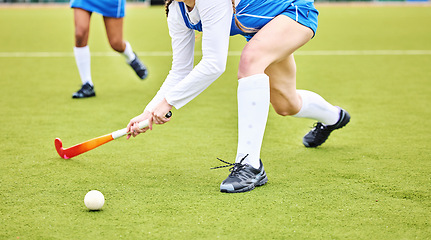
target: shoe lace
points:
(318, 128)
(236, 166)
(320, 132)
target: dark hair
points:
(237, 22)
(167, 3)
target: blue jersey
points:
(107, 8)
(255, 14)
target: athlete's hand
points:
(133, 128)
(159, 113)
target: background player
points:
(113, 13)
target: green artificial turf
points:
(370, 180)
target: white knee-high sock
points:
(253, 107)
(83, 62)
(315, 107)
(128, 53)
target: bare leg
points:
(284, 98)
(82, 52)
(275, 42)
(281, 70)
(82, 26)
(114, 31)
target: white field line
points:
(231, 53)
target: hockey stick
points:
(83, 147)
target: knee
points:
(250, 63)
(286, 111)
(117, 44)
(81, 36)
(285, 104)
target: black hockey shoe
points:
(140, 69)
(320, 132)
(86, 91)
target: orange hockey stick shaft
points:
(81, 147)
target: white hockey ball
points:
(94, 200)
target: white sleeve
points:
(216, 17)
(183, 44)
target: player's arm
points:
(183, 42)
(216, 17)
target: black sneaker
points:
(86, 91)
(139, 67)
(243, 177)
(318, 135)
